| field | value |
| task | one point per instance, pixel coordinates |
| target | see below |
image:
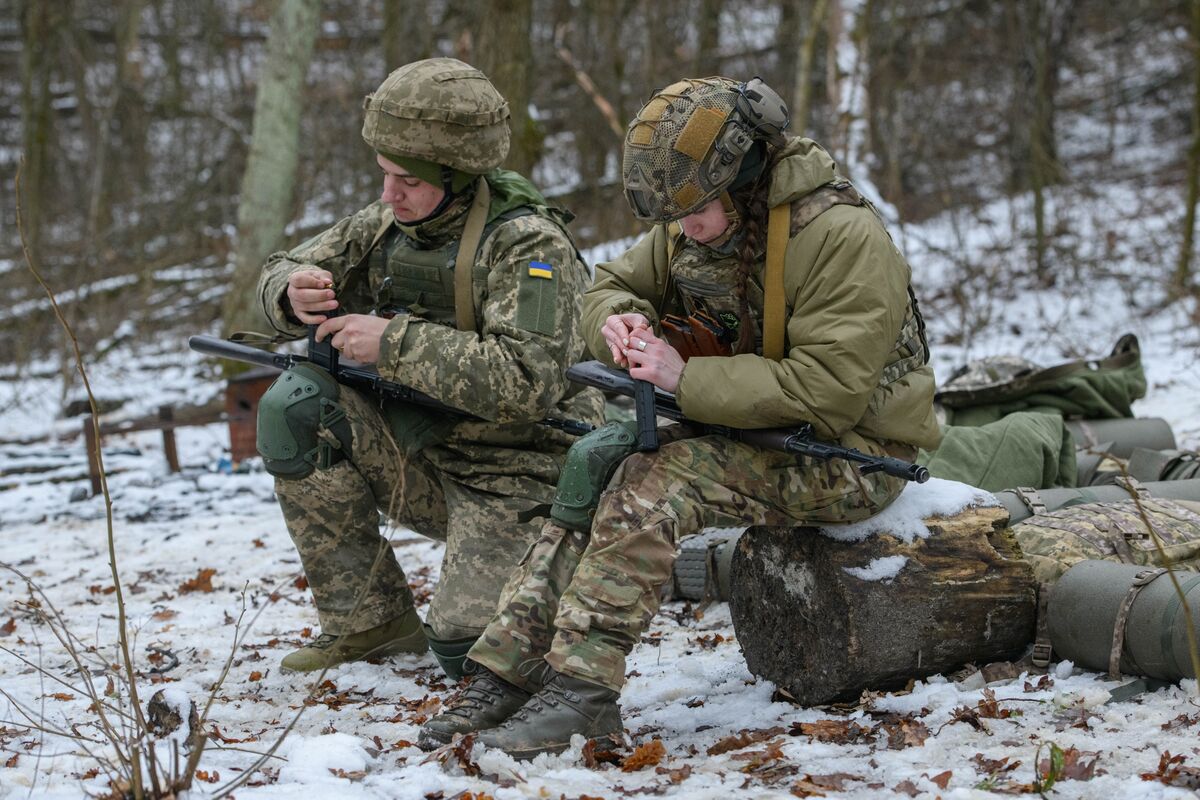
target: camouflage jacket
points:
(511, 372)
(849, 363)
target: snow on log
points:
(826, 616)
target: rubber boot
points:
(564, 707)
(400, 635)
(486, 701)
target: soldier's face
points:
(410, 197)
(706, 224)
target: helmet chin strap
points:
(448, 196)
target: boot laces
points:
(547, 698)
(324, 641)
(484, 689)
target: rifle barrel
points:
(792, 440)
(363, 376)
(235, 351)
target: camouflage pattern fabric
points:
(1055, 541)
(508, 373)
(992, 371)
(333, 515)
(472, 486)
(584, 611)
(439, 110)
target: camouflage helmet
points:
(439, 110)
(687, 144)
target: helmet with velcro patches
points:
(689, 143)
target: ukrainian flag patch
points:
(540, 269)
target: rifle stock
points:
(349, 373)
(792, 440)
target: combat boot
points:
(400, 635)
(564, 707)
(486, 701)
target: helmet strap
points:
(448, 197)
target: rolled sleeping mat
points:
(1164, 465)
(708, 552)
(1123, 435)
(1019, 509)
(1124, 619)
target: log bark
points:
(805, 623)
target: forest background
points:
(1036, 160)
(142, 124)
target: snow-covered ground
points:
(197, 548)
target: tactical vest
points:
(699, 282)
(404, 277)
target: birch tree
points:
(847, 87)
(266, 202)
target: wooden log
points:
(824, 635)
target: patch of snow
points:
(879, 569)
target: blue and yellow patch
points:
(540, 269)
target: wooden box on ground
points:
(241, 408)
(805, 623)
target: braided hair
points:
(750, 202)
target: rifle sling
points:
(464, 295)
(778, 228)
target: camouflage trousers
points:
(356, 580)
(581, 601)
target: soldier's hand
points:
(652, 359)
(356, 336)
(310, 293)
(616, 331)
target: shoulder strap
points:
(674, 232)
(778, 230)
(464, 296)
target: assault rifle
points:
(791, 440)
(350, 373)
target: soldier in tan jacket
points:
(381, 284)
(705, 160)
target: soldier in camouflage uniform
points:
(381, 283)
(710, 155)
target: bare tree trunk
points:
(99, 210)
(1183, 269)
(837, 77)
(806, 33)
(502, 50)
(267, 185)
(40, 21)
(708, 39)
(1044, 27)
(407, 33)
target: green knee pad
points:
(450, 653)
(590, 465)
(300, 425)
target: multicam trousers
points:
(356, 581)
(582, 600)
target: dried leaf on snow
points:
(837, 731)
(742, 739)
(645, 755)
(201, 583)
